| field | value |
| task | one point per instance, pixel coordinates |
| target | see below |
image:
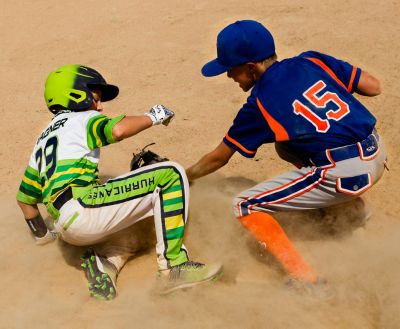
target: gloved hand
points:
(145, 158)
(160, 114)
(50, 236)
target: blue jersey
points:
(306, 102)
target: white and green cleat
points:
(187, 275)
(101, 275)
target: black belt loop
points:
(64, 197)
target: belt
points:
(367, 149)
(62, 198)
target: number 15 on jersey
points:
(321, 102)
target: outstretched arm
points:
(368, 85)
(210, 162)
(132, 125)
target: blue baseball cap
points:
(238, 43)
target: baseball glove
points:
(145, 158)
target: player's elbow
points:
(369, 85)
(378, 89)
(223, 161)
(218, 160)
(118, 133)
(374, 86)
(20, 204)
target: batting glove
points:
(49, 237)
(160, 114)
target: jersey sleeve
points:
(248, 132)
(99, 130)
(344, 73)
(30, 189)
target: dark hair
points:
(57, 109)
(267, 62)
(273, 57)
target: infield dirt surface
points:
(154, 50)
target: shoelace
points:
(190, 263)
(176, 270)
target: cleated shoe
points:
(187, 275)
(101, 275)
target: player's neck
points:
(263, 66)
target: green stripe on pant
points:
(173, 210)
(139, 184)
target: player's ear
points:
(255, 69)
(252, 66)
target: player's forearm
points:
(130, 126)
(34, 219)
(29, 210)
(203, 167)
(210, 162)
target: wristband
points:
(37, 226)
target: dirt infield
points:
(154, 51)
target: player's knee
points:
(179, 171)
(242, 205)
(176, 165)
(177, 168)
(236, 204)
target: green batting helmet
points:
(70, 87)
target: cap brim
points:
(213, 68)
(108, 92)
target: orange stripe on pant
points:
(267, 230)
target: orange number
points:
(321, 102)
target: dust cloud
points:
(154, 51)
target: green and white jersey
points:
(66, 154)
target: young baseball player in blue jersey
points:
(305, 105)
(63, 175)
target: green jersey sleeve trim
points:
(99, 130)
(109, 127)
(30, 189)
(22, 197)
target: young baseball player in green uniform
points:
(305, 106)
(63, 175)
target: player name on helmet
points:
(55, 126)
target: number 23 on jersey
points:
(321, 102)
